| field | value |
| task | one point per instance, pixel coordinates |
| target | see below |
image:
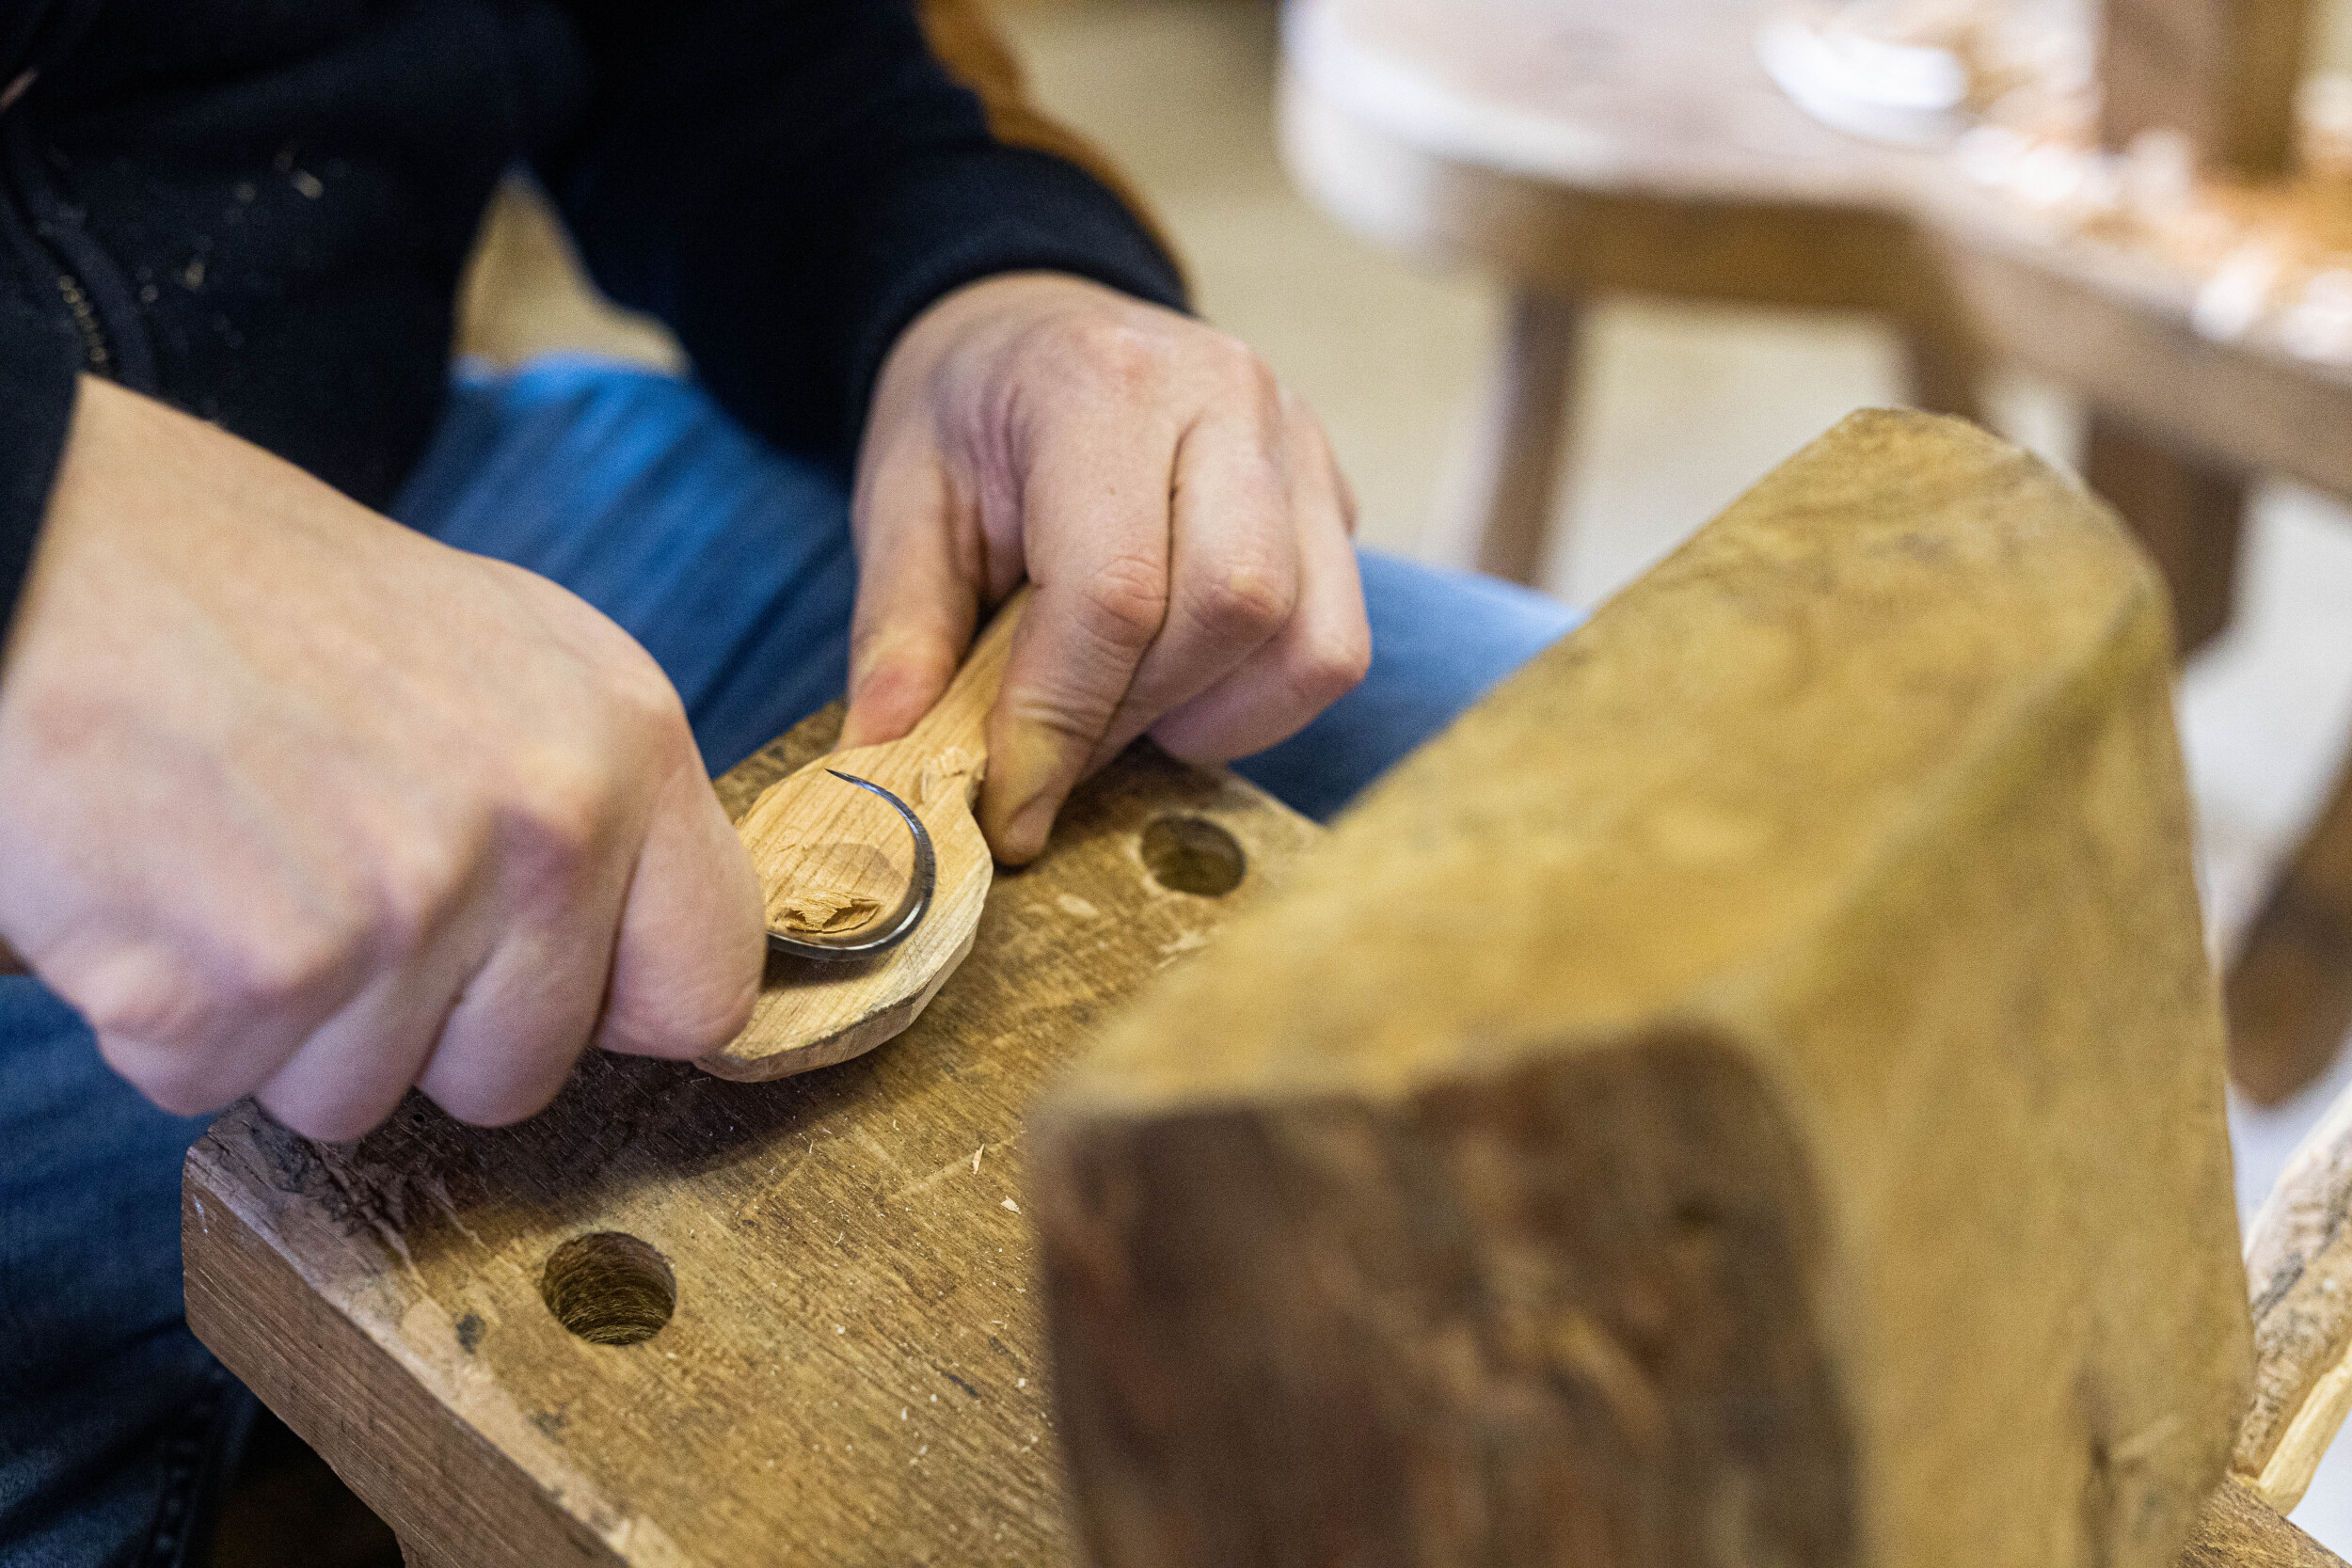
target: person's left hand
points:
(1180, 514)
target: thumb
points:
(915, 610)
(692, 946)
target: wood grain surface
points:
(854, 1371)
(2238, 1530)
(1749, 1092)
(2298, 1266)
(827, 852)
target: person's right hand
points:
(294, 800)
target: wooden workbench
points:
(852, 1374)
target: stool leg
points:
(415, 1556)
(2188, 514)
(1505, 514)
(2290, 993)
(1947, 378)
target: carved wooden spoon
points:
(837, 861)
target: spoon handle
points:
(958, 721)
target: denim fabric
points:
(115, 1425)
(731, 562)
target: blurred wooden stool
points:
(1573, 148)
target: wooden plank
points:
(853, 1374)
(1751, 1091)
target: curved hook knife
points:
(897, 925)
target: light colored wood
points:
(1502, 525)
(832, 857)
(1749, 1092)
(2298, 1266)
(854, 1373)
(2238, 1530)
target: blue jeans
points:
(731, 562)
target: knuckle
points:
(272, 970)
(159, 1016)
(1116, 350)
(1238, 361)
(1331, 666)
(641, 706)
(1243, 601)
(1125, 603)
(562, 816)
(1078, 718)
(646, 693)
(419, 883)
(122, 1008)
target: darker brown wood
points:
(2190, 513)
(1524, 431)
(2238, 1530)
(2222, 72)
(2290, 993)
(1944, 373)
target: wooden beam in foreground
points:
(1751, 1092)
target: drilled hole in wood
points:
(1192, 854)
(609, 1288)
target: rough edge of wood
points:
(2235, 1528)
(354, 1378)
(2298, 1264)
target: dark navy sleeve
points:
(40, 361)
(789, 185)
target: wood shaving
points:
(821, 909)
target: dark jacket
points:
(258, 209)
